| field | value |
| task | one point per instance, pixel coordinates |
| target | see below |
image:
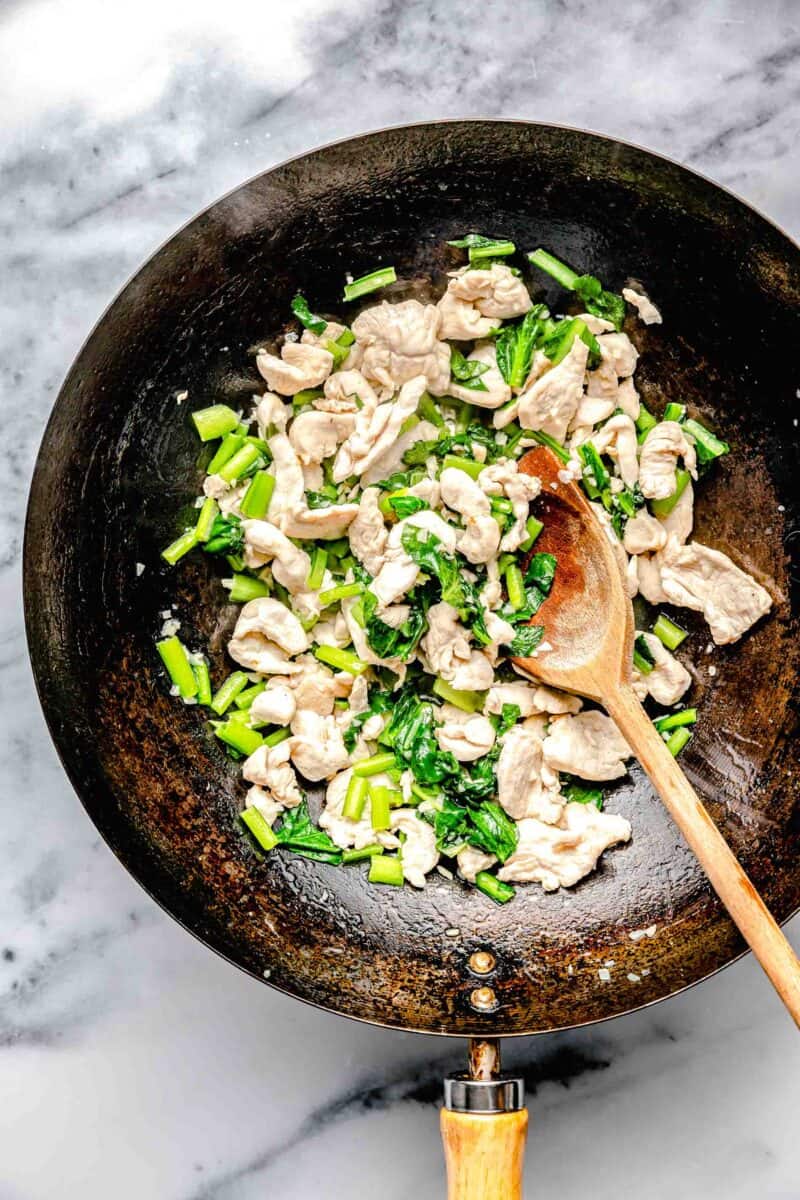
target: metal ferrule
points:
(504, 1094)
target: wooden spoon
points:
(588, 640)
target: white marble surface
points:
(134, 1063)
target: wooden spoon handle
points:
(729, 880)
(484, 1154)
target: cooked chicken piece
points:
(475, 675)
(320, 524)
(362, 647)
(617, 439)
(266, 634)
(595, 324)
(645, 308)
(268, 766)
(678, 523)
(551, 403)
(611, 534)
(265, 543)
(481, 537)
(275, 705)
(376, 430)
(265, 802)
(509, 412)
(697, 577)
(592, 409)
(468, 740)
(495, 291)
(648, 575)
(316, 746)
(343, 832)
(288, 509)
(331, 332)
(621, 350)
(272, 415)
(588, 745)
(347, 391)
(658, 461)
(400, 342)
(669, 679)
(505, 478)
(316, 688)
(447, 641)
(602, 383)
(495, 390)
(632, 578)
(298, 368)
(471, 861)
(427, 490)
(313, 477)
(502, 633)
(643, 534)
(399, 572)
(392, 458)
(628, 399)
(559, 856)
(551, 700)
(526, 785)
(367, 533)
(462, 321)
(521, 694)
(418, 853)
(315, 436)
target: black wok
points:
(119, 459)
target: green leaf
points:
(541, 571)
(516, 343)
(492, 830)
(526, 640)
(425, 549)
(470, 241)
(578, 793)
(600, 303)
(384, 639)
(305, 316)
(406, 506)
(467, 371)
(299, 834)
(227, 535)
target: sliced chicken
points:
(392, 458)
(376, 430)
(268, 767)
(316, 688)
(695, 576)
(551, 403)
(588, 745)
(471, 861)
(628, 399)
(495, 390)
(276, 705)
(400, 342)
(526, 785)
(644, 534)
(617, 439)
(316, 746)
(461, 321)
(347, 391)
(505, 479)
(418, 853)
(299, 367)
(399, 572)
(495, 291)
(315, 436)
(595, 324)
(509, 412)
(669, 679)
(262, 800)
(558, 856)
(658, 461)
(367, 533)
(648, 573)
(481, 537)
(272, 415)
(264, 543)
(468, 740)
(621, 351)
(645, 308)
(266, 635)
(343, 832)
(446, 644)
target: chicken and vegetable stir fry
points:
(380, 539)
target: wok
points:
(119, 461)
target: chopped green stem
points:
(225, 452)
(491, 250)
(429, 411)
(226, 694)
(246, 698)
(516, 588)
(356, 798)
(670, 634)
(386, 868)
(707, 444)
(301, 399)
(243, 459)
(343, 592)
(499, 504)
(256, 500)
(370, 283)
(360, 855)
(214, 422)
(494, 888)
(340, 660)
(555, 268)
(544, 439)
(462, 464)
(644, 422)
(203, 681)
(662, 508)
(176, 660)
(466, 701)
(677, 740)
(390, 797)
(534, 528)
(411, 422)
(260, 828)
(686, 716)
(319, 561)
(205, 521)
(238, 736)
(641, 664)
(278, 736)
(246, 588)
(674, 412)
(182, 545)
(464, 417)
(374, 765)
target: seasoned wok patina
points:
(115, 464)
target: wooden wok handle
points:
(484, 1153)
(729, 880)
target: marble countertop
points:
(134, 1063)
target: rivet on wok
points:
(483, 998)
(482, 962)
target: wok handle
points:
(728, 878)
(484, 1153)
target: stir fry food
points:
(371, 520)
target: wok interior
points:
(120, 459)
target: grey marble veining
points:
(133, 1062)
